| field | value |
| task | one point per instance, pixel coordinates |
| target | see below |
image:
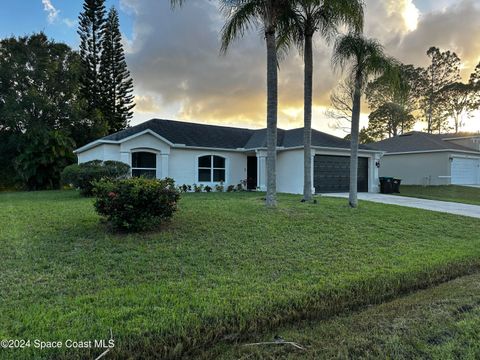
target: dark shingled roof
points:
(213, 136)
(416, 141)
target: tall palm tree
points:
(363, 58)
(268, 16)
(310, 17)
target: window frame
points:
(211, 168)
(143, 168)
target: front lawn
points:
(224, 265)
(454, 193)
(442, 322)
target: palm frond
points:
(241, 16)
(366, 57)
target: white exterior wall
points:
(290, 171)
(418, 168)
(101, 152)
(183, 166)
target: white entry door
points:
(465, 171)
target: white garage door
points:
(465, 171)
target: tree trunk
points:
(352, 199)
(272, 103)
(307, 130)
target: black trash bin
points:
(396, 185)
(386, 185)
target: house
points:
(192, 153)
(431, 159)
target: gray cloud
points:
(174, 59)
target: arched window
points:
(211, 168)
(144, 164)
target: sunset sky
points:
(178, 73)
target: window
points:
(211, 168)
(144, 164)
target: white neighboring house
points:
(192, 153)
(431, 159)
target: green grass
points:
(454, 193)
(224, 265)
(442, 323)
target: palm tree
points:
(268, 16)
(363, 58)
(310, 17)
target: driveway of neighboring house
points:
(433, 205)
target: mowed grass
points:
(224, 265)
(442, 322)
(453, 193)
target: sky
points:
(178, 72)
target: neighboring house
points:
(431, 159)
(193, 153)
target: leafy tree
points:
(38, 91)
(117, 85)
(91, 29)
(363, 137)
(362, 58)
(311, 17)
(474, 83)
(389, 120)
(43, 156)
(38, 84)
(393, 101)
(444, 70)
(401, 90)
(459, 101)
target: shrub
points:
(239, 187)
(136, 204)
(197, 188)
(219, 187)
(208, 188)
(184, 188)
(231, 188)
(82, 175)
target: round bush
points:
(136, 204)
(82, 175)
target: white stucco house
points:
(431, 159)
(192, 153)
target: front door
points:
(251, 172)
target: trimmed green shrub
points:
(82, 175)
(136, 204)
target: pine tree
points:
(91, 30)
(117, 85)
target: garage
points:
(465, 171)
(332, 174)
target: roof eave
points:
(431, 151)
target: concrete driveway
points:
(433, 205)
